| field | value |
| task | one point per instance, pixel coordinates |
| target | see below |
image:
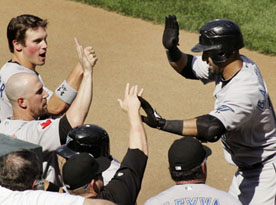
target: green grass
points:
(257, 18)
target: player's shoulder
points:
(222, 195)
(248, 76)
(164, 196)
(11, 68)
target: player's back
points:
(196, 194)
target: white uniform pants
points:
(255, 186)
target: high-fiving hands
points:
(87, 56)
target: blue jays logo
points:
(224, 108)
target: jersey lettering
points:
(45, 124)
(195, 201)
(179, 202)
(2, 88)
(205, 201)
(192, 201)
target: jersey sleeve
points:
(31, 197)
(42, 132)
(201, 70)
(126, 183)
(236, 104)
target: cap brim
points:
(65, 152)
(200, 48)
(104, 164)
(207, 150)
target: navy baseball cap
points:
(81, 168)
(187, 153)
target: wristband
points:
(173, 126)
(66, 93)
(173, 54)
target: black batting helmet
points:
(86, 138)
(220, 38)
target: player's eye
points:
(39, 92)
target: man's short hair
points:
(19, 169)
(18, 26)
(195, 173)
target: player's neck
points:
(22, 61)
(22, 116)
(232, 68)
(193, 181)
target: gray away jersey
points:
(9, 69)
(192, 194)
(41, 132)
(244, 107)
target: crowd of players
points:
(243, 118)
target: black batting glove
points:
(153, 119)
(171, 32)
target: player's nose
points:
(45, 94)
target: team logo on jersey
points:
(45, 124)
(224, 108)
(261, 104)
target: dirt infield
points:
(129, 50)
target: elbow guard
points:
(209, 128)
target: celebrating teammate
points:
(28, 98)
(82, 173)
(243, 116)
(27, 40)
(188, 168)
(92, 139)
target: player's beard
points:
(41, 113)
(215, 69)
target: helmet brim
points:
(200, 48)
(65, 152)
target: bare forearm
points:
(189, 127)
(77, 112)
(75, 77)
(56, 106)
(137, 134)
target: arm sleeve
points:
(64, 128)
(126, 183)
(187, 72)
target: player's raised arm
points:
(177, 59)
(77, 112)
(131, 105)
(66, 92)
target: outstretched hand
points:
(171, 32)
(87, 56)
(130, 101)
(153, 119)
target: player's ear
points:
(204, 169)
(17, 46)
(22, 103)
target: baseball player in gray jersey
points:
(243, 116)
(187, 159)
(27, 40)
(28, 98)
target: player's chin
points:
(44, 110)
